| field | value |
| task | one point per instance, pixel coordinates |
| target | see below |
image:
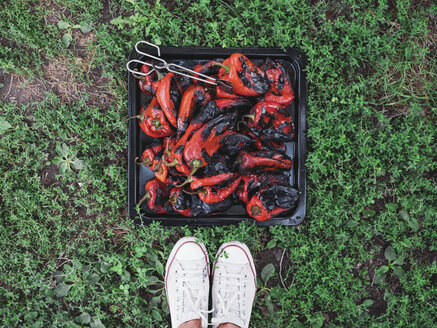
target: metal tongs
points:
(174, 68)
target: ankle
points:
(196, 323)
(228, 325)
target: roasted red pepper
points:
(210, 68)
(216, 108)
(175, 157)
(180, 201)
(276, 145)
(235, 142)
(200, 208)
(207, 140)
(246, 78)
(270, 121)
(156, 193)
(168, 95)
(212, 195)
(211, 181)
(272, 201)
(195, 98)
(148, 84)
(149, 154)
(247, 185)
(264, 160)
(280, 90)
(220, 93)
(153, 121)
(161, 170)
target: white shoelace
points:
(231, 301)
(191, 281)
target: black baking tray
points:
(294, 60)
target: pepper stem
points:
(174, 163)
(225, 67)
(189, 180)
(147, 196)
(139, 77)
(156, 123)
(146, 161)
(256, 210)
(191, 193)
(158, 73)
(252, 117)
(141, 117)
(195, 164)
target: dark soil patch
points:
(16, 89)
(273, 256)
(379, 305)
(427, 256)
(48, 176)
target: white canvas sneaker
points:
(233, 285)
(187, 282)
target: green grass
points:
(69, 255)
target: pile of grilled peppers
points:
(216, 148)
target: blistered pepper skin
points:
(168, 94)
(264, 160)
(156, 193)
(280, 90)
(270, 121)
(271, 202)
(246, 78)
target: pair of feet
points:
(187, 284)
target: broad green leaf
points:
(155, 300)
(4, 125)
(66, 39)
(152, 280)
(367, 303)
(379, 278)
(391, 206)
(267, 272)
(269, 305)
(77, 164)
(164, 306)
(381, 270)
(96, 323)
(271, 243)
(62, 150)
(85, 27)
(159, 268)
(412, 222)
(58, 275)
(156, 315)
(398, 271)
(389, 253)
(62, 25)
(84, 318)
(62, 290)
(63, 168)
(398, 261)
(404, 215)
(105, 267)
(93, 278)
